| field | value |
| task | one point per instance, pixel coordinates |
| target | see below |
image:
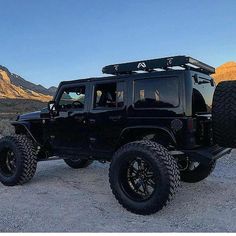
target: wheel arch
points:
(134, 133)
(24, 128)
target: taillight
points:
(191, 124)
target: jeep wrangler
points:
(157, 121)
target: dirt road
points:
(62, 199)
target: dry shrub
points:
(5, 127)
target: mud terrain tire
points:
(164, 171)
(17, 160)
(224, 114)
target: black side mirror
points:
(52, 107)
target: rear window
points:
(156, 93)
(202, 95)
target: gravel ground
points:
(62, 199)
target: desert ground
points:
(63, 199)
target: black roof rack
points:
(166, 63)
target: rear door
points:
(107, 114)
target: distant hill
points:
(14, 86)
(227, 71)
(10, 108)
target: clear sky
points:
(47, 41)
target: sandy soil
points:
(62, 199)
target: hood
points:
(30, 116)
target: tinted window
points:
(72, 98)
(156, 93)
(109, 95)
(202, 95)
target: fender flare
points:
(151, 127)
(26, 126)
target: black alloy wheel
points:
(7, 162)
(138, 179)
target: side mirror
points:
(52, 107)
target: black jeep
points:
(157, 121)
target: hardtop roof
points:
(167, 65)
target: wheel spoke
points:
(150, 183)
(138, 161)
(133, 169)
(137, 185)
(132, 177)
(142, 165)
(149, 174)
(145, 189)
(8, 162)
(141, 178)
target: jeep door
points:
(68, 128)
(107, 115)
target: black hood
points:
(30, 116)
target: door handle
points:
(115, 118)
(92, 121)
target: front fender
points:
(24, 127)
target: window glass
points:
(109, 95)
(120, 94)
(72, 98)
(156, 93)
(202, 95)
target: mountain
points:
(52, 90)
(15, 87)
(227, 71)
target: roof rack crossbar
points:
(161, 63)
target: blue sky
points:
(48, 41)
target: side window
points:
(109, 95)
(72, 98)
(156, 93)
(202, 95)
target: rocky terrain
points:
(18, 95)
(13, 86)
(61, 199)
(227, 71)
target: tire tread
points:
(160, 154)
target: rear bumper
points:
(206, 155)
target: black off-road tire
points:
(198, 174)
(79, 163)
(224, 114)
(164, 168)
(25, 156)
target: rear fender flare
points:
(148, 129)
